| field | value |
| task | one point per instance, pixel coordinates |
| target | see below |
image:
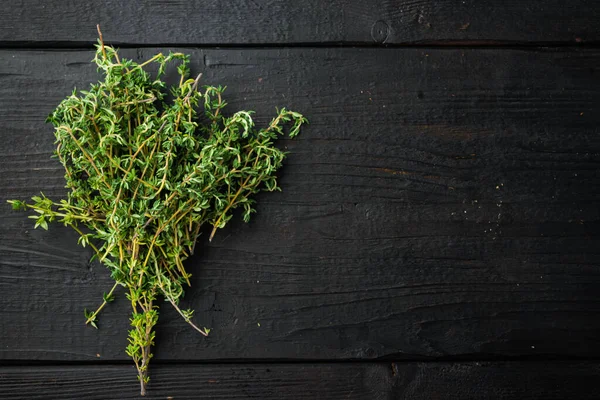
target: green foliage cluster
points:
(146, 175)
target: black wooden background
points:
(438, 236)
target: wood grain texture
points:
(443, 202)
(369, 381)
(221, 22)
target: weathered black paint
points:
(442, 204)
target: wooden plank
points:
(441, 203)
(487, 380)
(221, 22)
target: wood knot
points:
(380, 31)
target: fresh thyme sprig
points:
(145, 176)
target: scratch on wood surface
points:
(409, 173)
(39, 265)
(78, 64)
(393, 171)
(15, 278)
(54, 351)
(36, 253)
(210, 63)
(354, 388)
(451, 132)
(8, 75)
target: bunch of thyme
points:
(145, 176)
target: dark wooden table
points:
(438, 236)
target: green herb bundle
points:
(146, 175)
